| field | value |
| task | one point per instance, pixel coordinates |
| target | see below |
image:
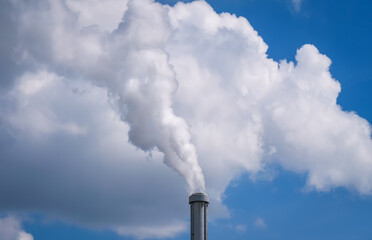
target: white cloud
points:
(25, 236)
(10, 229)
(33, 113)
(241, 228)
(260, 223)
(181, 80)
(95, 178)
(297, 4)
(104, 14)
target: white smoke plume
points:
(146, 82)
(190, 83)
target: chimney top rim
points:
(198, 197)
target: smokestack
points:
(198, 210)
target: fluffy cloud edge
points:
(11, 229)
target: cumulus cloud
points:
(104, 14)
(98, 104)
(10, 229)
(64, 147)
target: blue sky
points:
(281, 207)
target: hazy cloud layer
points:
(185, 86)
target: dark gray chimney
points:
(198, 209)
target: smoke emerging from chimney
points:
(147, 107)
(145, 84)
